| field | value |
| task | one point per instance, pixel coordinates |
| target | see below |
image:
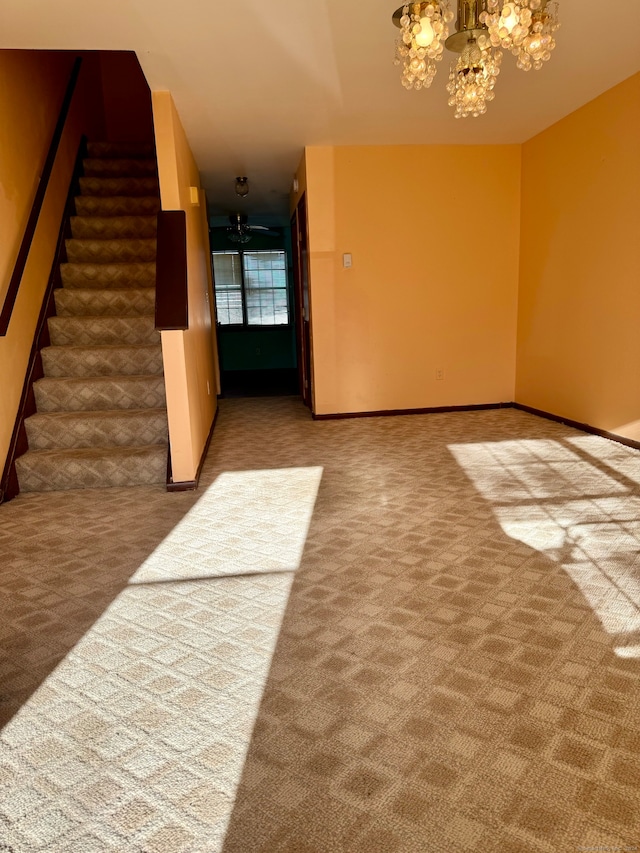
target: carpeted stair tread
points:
(117, 205)
(102, 167)
(111, 360)
(88, 331)
(88, 468)
(119, 186)
(141, 274)
(110, 251)
(92, 302)
(99, 393)
(101, 415)
(113, 227)
(120, 149)
(115, 428)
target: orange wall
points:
(579, 303)
(190, 363)
(32, 85)
(426, 290)
(37, 80)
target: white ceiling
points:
(255, 81)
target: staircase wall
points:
(190, 357)
(32, 86)
(126, 97)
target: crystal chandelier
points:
(483, 29)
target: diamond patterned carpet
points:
(133, 359)
(385, 635)
(118, 275)
(105, 354)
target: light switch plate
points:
(346, 260)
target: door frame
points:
(302, 300)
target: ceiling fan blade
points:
(262, 229)
(240, 232)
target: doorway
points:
(255, 315)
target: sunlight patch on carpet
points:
(575, 513)
(245, 522)
(146, 723)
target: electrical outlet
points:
(439, 373)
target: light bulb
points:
(508, 18)
(426, 34)
(421, 43)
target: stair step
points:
(119, 428)
(103, 167)
(110, 360)
(88, 468)
(114, 302)
(110, 251)
(99, 393)
(103, 276)
(101, 407)
(113, 227)
(120, 149)
(89, 331)
(117, 205)
(119, 186)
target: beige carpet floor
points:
(386, 635)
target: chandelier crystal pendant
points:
(525, 27)
(472, 78)
(483, 29)
(423, 31)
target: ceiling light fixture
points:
(483, 29)
(242, 187)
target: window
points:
(251, 288)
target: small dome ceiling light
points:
(242, 187)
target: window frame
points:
(240, 252)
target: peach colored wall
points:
(579, 304)
(26, 130)
(190, 363)
(32, 85)
(426, 290)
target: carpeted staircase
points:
(101, 414)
